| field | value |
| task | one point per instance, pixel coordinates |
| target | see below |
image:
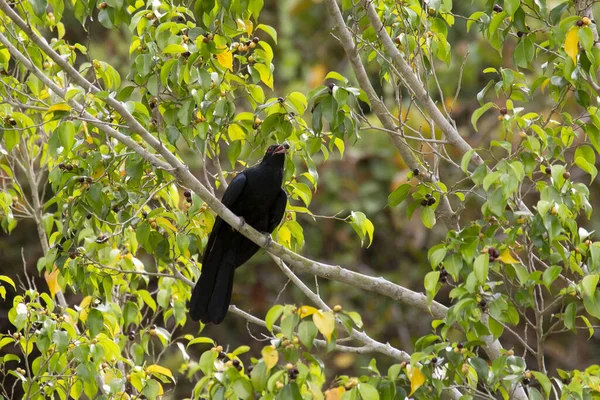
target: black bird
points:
(256, 196)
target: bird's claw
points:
(242, 223)
(269, 239)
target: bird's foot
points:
(268, 238)
(242, 223)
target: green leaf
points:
(399, 195)
(204, 340)
(479, 112)
(481, 367)
(589, 284)
(243, 388)
(9, 281)
(307, 332)
(95, 321)
(39, 7)
(337, 76)
(175, 49)
(367, 392)
(428, 217)
(480, 267)
(269, 30)
(273, 315)
(207, 360)
(586, 38)
(570, 315)
(550, 275)
(66, 134)
(431, 280)
(544, 382)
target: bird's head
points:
(275, 154)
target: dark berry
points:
(431, 201)
(503, 111)
(62, 166)
(428, 195)
(89, 216)
(238, 367)
(497, 8)
(580, 23)
(483, 304)
(280, 99)
(222, 355)
(416, 172)
(567, 175)
(188, 199)
(116, 208)
(236, 363)
(69, 167)
(89, 179)
(187, 193)
(548, 170)
(424, 202)
(255, 40)
(186, 54)
(434, 360)
(73, 255)
(526, 381)
(443, 278)
(520, 34)
(459, 345)
(81, 180)
(144, 214)
(132, 336)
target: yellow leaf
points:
(305, 311)
(226, 59)
(544, 84)
(571, 43)
(417, 379)
(235, 132)
(52, 281)
(165, 223)
(325, 322)
(85, 303)
(507, 258)
(59, 107)
(160, 370)
(284, 236)
(335, 393)
(271, 356)
(98, 172)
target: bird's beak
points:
(282, 149)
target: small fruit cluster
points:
(292, 371)
(493, 253)
(584, 21)
(429, 200)
(443, 275)
(242, 47)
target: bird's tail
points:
(212, 293)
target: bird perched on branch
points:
(256, 196)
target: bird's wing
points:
(232, 193)
(276, 212)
